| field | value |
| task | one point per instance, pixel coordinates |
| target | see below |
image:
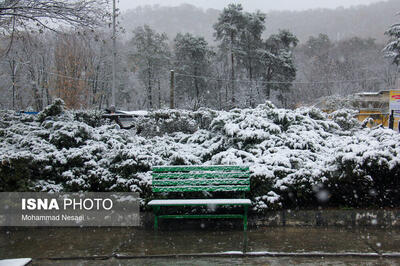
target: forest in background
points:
(364, 21)
(291, 58)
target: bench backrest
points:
(200, 178)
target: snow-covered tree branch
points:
(48, 14)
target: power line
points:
(74, 78)
(280, 82)
(217, 79)
(61, 75)
(70, 77)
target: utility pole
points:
(398, 84)
(114, 54)
(171, 92)
(14, 70)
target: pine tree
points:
(193, 59)
(228, 29)
(392, 49)
(277, 62)
(250, 42)
(267, 61)
(151, 57)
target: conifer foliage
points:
(392, 49)
(266, 62)
(297, 158)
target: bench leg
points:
(244, 242)
(245, 218)
(156, 210)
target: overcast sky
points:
(251, 5)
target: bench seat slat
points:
(201, 175)
(203, 202)
(188, 182)
(187, 168)
(201, 188)
(200, 178)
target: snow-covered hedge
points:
(161, 122)
(298, 158)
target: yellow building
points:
(375, 105)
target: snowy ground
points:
(15, 262)
(297, 157)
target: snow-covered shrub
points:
(297, 158)
(335, 102)
(204, 117)
(52, 110)
(313, 113)
(160, 122)
(366, 169)
(91, 117)
(345, 118)
(267, 202)
(67, 134)
(71, 156)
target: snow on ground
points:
(291, 153)
(15, 262)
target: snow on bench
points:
(213, 178)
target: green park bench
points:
(200, 179)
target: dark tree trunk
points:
(196, 86)
(149, 96)
(159, 94)
(233, 79)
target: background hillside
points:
(363, 21)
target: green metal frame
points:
(200, 178)
(157, 216)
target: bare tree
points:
(18, 15)
(45, 13)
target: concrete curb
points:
(357, 217)
(334, 217)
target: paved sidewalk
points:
(267, 245)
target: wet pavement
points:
(265, 246)
(232, 261)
